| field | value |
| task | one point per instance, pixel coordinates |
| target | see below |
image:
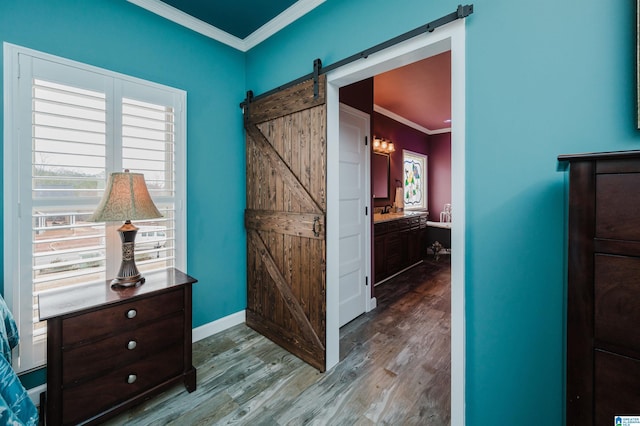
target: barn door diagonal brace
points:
(284, 289)
(278, 163)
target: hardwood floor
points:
(395, 369)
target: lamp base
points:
(127, 282)
(128, 275)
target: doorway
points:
(449, 37)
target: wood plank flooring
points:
(395, 369)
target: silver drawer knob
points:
(131, 313)
(132, 344)
(132, 378)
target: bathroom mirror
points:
(380, 175)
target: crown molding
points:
(407, 122)
(288, 16)
(292, 13)
(188, 21)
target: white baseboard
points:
(218, 325)
(373, 303)
(397, 273)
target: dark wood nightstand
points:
(603, 343)
(108, 350)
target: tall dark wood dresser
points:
(603, 311)
(108, 350)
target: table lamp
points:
(127, 198)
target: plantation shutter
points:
(68, 170)
(148, 147)
(75, 126)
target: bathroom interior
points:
(410, 110)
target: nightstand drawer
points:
(616, 386)
(93, 359)
(617, 205)
(83, 401)
(92, 325)
(616, 292)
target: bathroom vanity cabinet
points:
(399, 242)
(603, 343)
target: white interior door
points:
(355, 225)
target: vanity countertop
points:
(386, 217)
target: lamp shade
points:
(125, 198)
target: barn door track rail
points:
(460, 13)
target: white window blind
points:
(148, 146)
(70, 126)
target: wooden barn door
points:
(285, 218)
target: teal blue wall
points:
(122, 37)
(543, 78)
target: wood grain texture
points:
(580, 296)
(618, 206)
(306, 225)
(603, 348)
(616, 295)
(285, 219)
(278, 169)
(395, 369)
(291, 301)
(111, 356)
(399, 244)
(287, 101)
(616, 386)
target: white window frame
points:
(17, 184)
(423, 159)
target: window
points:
(67, 126)
(414, 180)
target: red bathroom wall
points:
(403, 137)
(437, 148)
(439, 172)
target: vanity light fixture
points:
(382, 146)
